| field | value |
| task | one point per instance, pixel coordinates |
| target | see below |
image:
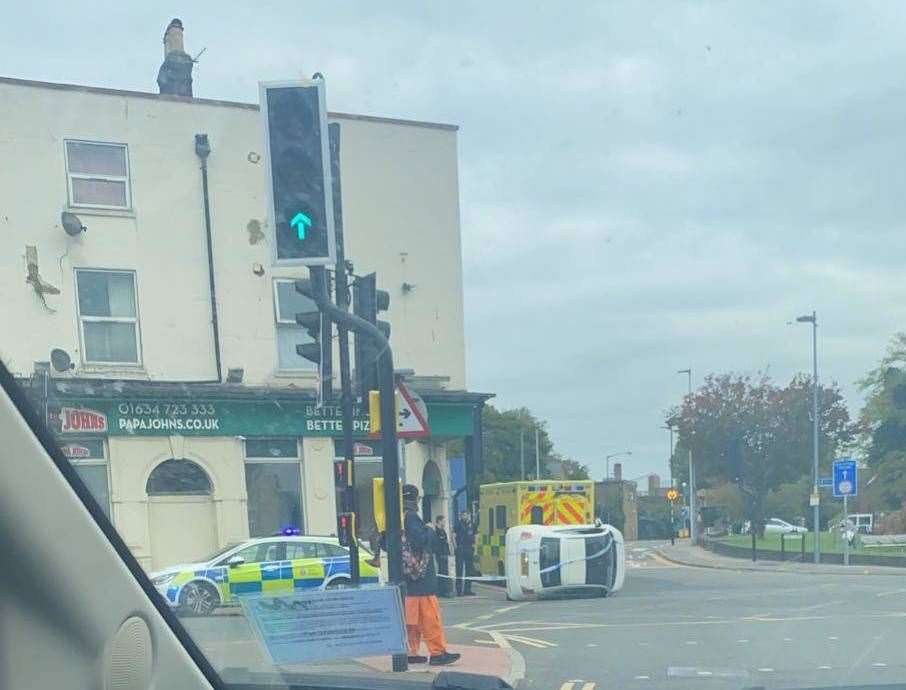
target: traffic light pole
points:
(342, 297)
(390, 451)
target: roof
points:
(103, 91)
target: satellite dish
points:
(60, 360)
(72, 224)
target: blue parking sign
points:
(845, 483)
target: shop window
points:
(273, 484)
(490, 521)
(288, 303)
(88, 460)
(182, 477)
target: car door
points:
(307, 566)
(335, 559)
(262, 563)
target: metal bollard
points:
(782, 546)
(803, 548)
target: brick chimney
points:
(618, 471)
(175, 75)
(654, 484)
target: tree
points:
(755, 434)
(573, 469)
(883, 422)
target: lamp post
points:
(614, 455)
(693, 527)
(670, 454)
(813, 319)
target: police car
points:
(281, 563)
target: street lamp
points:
(813, 319)
(670, 455)
(692, 501)
(614, 455)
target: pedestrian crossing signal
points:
(345, 528)
(342, 476)
(672, 495)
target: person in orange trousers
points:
(422, 606)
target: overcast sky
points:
(644, 187)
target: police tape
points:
(543, 571)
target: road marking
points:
(485, 641)
(507, 608)
(766, 670)
(569, 685)
(592, 644)
(704, 673)
(530, 641)
(832, 637)
(742, 641)
(588, 686)
(824, 668)
(891, 593)
(691, 642)
(517, 661)
(639, 678)
(644, 644)
(484, 617)
(787, 639)
(879, 664)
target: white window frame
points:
(109, 178)
(278, 322)
(109, 319)
(288, 460)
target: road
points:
(680, 627)
(677, 627)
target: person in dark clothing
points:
(464, 550)
(422, 607)
(442, 554)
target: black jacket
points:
(465, 537)
(420, 538)
(442, 542)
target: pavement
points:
(674, 626)
(684, 553)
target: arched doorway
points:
(181, 516)
(432, 488)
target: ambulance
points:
(546, 502)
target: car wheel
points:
(337, 583)
(199, 599)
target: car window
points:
(331, 550)
(260, 553)
(301, 549)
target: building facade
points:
(161, 347)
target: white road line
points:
(485, 641)
(592, 644)
(637, 678)
(588, 686)
(824, 668)
(567, 686)
(891, 593)
(766, 670)
(704, 673)
(507, 608)
(787, 639)
(742, 641)
(691, 642)
(879, 664)
(832, 637)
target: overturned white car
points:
(547, 560)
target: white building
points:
(182, 462)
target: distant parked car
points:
(777, 526)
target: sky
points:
(645, 187)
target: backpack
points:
(415, 564)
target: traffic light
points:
(368, 301)
(317, 325)
(299, 186)
(345, 528)
(342, 475)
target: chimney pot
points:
(175, 75)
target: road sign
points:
(672, 494)
(825, 482)
(297, 157)
(845, 478)
(412, 414)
